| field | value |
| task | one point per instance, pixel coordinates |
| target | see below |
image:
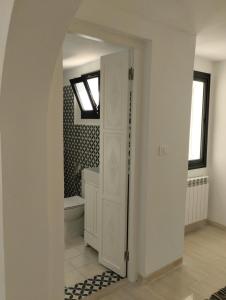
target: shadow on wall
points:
(81, 147)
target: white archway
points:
(29, 116)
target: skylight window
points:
(94, 88)
(83, 96)
(87, 93)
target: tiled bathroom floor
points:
(80, 262)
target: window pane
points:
(94, 87)
(196, 121)
(83, 96)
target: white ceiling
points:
(206, 18)
(211, 43)
(79, 50)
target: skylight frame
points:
(88, 76)
(95, 112)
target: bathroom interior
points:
(81, 123)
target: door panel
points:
(115, 90)
(114, 160)
(113, 224)
(113, 165)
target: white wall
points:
(165, 115)
(216, 163)
(2, 258)
(168, 124)
(77, 72)
(165, 118)
(6, 7)
(56, 191)
(217, 197)
(205, 65)
(6, 10)
(33, 43)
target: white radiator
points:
(196, 208)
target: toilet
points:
(73, 218)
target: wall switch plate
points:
(162, 150)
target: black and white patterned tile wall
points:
(81, 147)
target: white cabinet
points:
(92, 207)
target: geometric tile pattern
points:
(90, 286)
(220, 295)
(81, 147)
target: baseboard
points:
(164, 270)
(194, 226)
(215, 224)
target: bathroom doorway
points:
(97, 95)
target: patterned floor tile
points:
(90, 286)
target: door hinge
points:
(126, 255)
(131, 73)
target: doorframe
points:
(138, 45)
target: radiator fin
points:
(196, 208)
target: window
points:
(199, 120)
(87, 93)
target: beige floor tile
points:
(203, 271)
(73, 277)
(81, 260)
(78, 256)
(91, 253)
(74, 242)
(71, 253)
(91, 270)
(68, 267)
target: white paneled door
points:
(114, 160)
